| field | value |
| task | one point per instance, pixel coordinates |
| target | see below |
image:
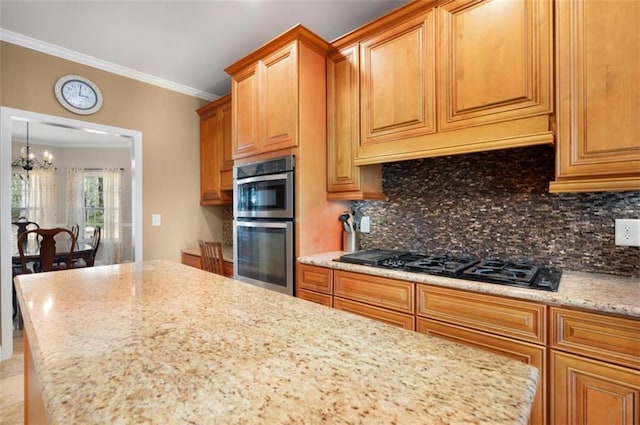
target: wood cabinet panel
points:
(513, 318)
(191, 260)
(606, 338)
(245, 124)
(344, 179)
(378, 291)
(227, 267)
(597, 55)
(323, 299)
(398, 81)
(490, 72)
(524, 352)
(279, 100)
(215, 143)
(319, 279)
(589, 392)
(400, 320)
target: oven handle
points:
(271, 177)
(269, 224)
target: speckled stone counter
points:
(171, 344)
(598, 292)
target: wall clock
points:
(78, 94)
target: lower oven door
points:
(264, 254)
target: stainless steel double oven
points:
(263, 229)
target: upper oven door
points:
(268, 196)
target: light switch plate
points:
(627, 232)
(156, 220)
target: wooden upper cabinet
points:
(245, 125)
(278, 95)
(494, 61)
(267, 88)
(598, 58)
(344, 179)
(398, 81)
(215, 145)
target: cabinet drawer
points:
(512, 318)
(319, 279)
(603, 337)
(324, 299)
(522, 351)
(191, 260)
(378, 291)
(400, 320)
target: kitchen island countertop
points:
(166, 343)
(591, 291)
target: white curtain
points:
(74, 198)
(41, 204)
(110, 251)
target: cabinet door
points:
(244, 116)
(225, 122)
(209, 158)
(494, 61)
(279, 99)
(588, 392)
(534, 355)
(598, 58)
(344, 179)
(398, 82)
(315, 297)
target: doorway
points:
(10, 119)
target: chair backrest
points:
(95, 244)
(22, 225)
(47, 239)
(75, 229)
(211, 254)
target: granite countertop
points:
(227, 252)
(161, 342)
(598, 292)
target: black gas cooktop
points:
(521, 273)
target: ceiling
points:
(187, 43)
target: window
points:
(93, 203)
(19, 195)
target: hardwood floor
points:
(12, 384)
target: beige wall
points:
(170, 132)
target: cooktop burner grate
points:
(521, 273)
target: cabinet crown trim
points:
(298, 32)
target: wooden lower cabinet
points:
(590, 392)
(532, 354)
(315, 297)
(405, 321)
(191, 260)
(194, 260)
(595, 368)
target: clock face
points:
(78, 94)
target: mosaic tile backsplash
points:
(497, 205)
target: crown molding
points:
(63, 53)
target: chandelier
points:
(28, 160)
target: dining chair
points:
(211, 254)
(95, 244)
(47, 257)
(22, 225)
(75, 229)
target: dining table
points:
(82, 250)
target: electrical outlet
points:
(627, 232)
(365, 224)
